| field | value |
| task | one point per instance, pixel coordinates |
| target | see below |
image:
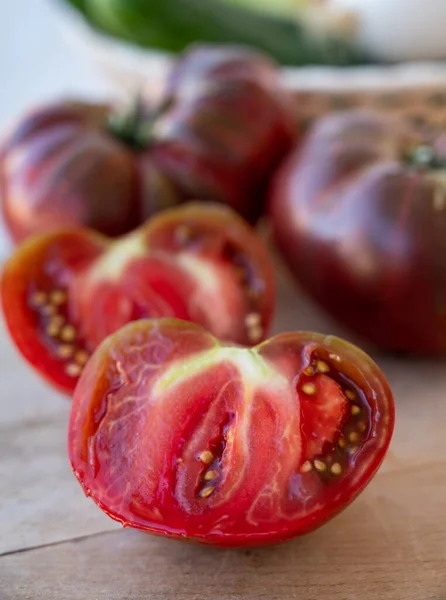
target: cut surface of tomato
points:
(177, 434)
(64, 292)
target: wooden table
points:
(56, 544)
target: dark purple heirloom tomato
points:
(228, 123)
(222, 127)
(60, 166)
(359, 213)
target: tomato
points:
(220, 130)
(176, 434)
(61, 167)
(64, 292)
(359, 215)
(227, 125)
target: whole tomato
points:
(221, 129)
(61, 166)
(174, 433)
(63, 292)
(226, 126)
(359, 213)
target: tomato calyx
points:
(135, 125)
(131, 124)
(425, 156)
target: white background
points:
(37, 64)
(35, 61)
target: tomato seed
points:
(57, 321)
(58, 297)
(306, 467)
(253, 324)
(252, 320)
(206, 457)
(322, 366)
(350, 394)
(353, 436)
(65, 351)
(207, 491)
(73, 370)
(68, 334)
(355, 410)
(53, 330)
(38, 298)
(81, 357)
(336, 469)
(210, 475)
(309, 389)
(320, 466)
(341, 443)
(255, 333)
(362, 427)
(309, 371)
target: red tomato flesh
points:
(177, 434)
(64, 292)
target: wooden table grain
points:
(389, 545)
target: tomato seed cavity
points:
(211, 459)
(336, 459)
(60, 335)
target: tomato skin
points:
(158, 393)
(227, 126)
(362, 229)
(59, 164)
(220, 130)
(64, 292)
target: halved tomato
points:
(177, 434)
(64, 292)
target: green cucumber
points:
(287, 8)
(172, 25)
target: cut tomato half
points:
(176, 434)
(64, 292)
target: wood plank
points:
(386, 546)
(25, 398)
(40, 499)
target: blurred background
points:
(36, 64)
(52, 48)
